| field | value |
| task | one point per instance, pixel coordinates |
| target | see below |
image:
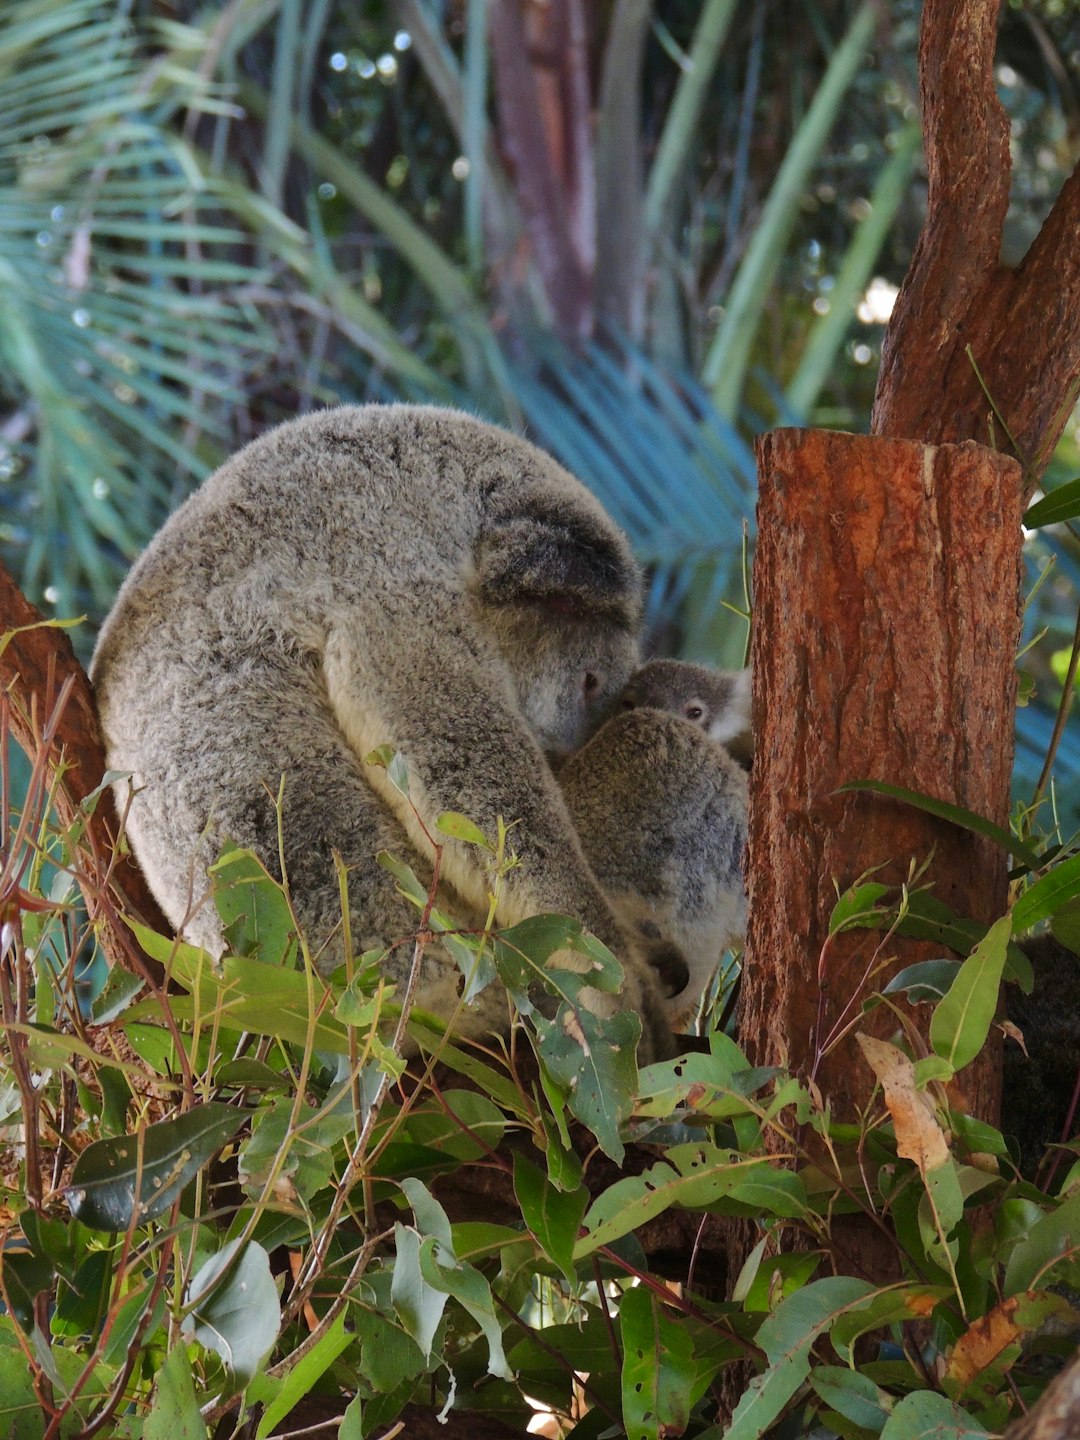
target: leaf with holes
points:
(134, 1178)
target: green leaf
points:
(25, 1276)
(20, 1408)
(234, 1307)
(786, 1337)
(592, 1057)
(463, 1126)
(389, 1357)
(658, 1368)
(1049, 894)
(254, 911)
(693, 1176)
(926, 980)
(460, 827)
(944, 1200)
(852, 1395)
(469, 1288)
(281, 1396)
(419, 1305)
(439, 1273)
(174, 1411)
(961, 1022)
(1061, 503)
(895, 1305)
(925, 1415)
(553, 1216)
(966, 819)
(1065, 926)
(385, 757)
(134, 1178)
(858, 908)
(243, 994)
(1055, 1235)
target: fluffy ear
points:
(561, 557)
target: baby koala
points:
(661, 811)
(718, 701)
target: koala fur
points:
(661, 811)
(362, 576)
(716, 700)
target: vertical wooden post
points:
(886, 583)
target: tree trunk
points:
(36, 664)
(887, 587)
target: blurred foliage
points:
(644, 229)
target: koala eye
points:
(694, 712)
(590, 684)
(628, 704)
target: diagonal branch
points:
(966, 137)
(1022, 325)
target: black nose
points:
(672, 970)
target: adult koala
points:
(363, 576)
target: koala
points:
(402, 575)
(661, 811)
(716, 700)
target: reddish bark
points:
(886, 582)
(34, 665)
(1022, 325)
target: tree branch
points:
(1022, 325)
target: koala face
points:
(718, 701)
(567, 670)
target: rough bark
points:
(1022, 325)
(887, 584)
(34, 666)
(540, 63)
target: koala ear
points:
(560, 557)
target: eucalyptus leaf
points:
(961, 1022)
(658, 1368)
(174, 1411)
(234, 1307)
(1055, 1236)
(553, 1216)
(925, 1414)
(254, 911)
(134, 1178)
(786, 1337)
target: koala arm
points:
(466, 749)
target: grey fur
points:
(716, 700)
(395, 575)
(661, 812)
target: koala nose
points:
(592, 687)
(670, 966)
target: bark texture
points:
(36, 664)
(1022, 324)
(887, 583)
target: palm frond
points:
(123, 338)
